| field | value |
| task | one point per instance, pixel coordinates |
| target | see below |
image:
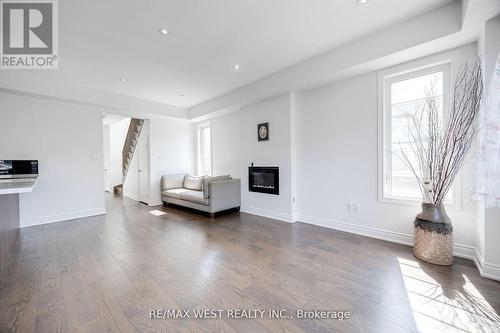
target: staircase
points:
(134, 131)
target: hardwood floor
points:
(105, 274)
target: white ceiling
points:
(101, 41)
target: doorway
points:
(126, 157)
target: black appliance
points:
(264, 179)
(18, 169)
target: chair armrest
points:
(225, 194)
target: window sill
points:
(414, 203)
(400, 201)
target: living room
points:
(250, 166)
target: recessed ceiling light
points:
(362, 2)
(122, 79)
(163, 31)
(236, 67)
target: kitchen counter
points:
(12, 186)
(10, 189)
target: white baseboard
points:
(382, 234)
(463, 251)
(133, 196)
(267, 213)
(152, 204)
(61, 217)
(490, 271)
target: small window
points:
(403, 99)
(204, 150)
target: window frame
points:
(385, 79)
(199, 129)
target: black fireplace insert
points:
(264, 180)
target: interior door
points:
(142, 151)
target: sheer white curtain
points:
(487, 187)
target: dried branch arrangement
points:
(441, 146)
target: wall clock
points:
(263, 131)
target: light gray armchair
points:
(207, 194)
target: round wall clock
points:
(263, 131)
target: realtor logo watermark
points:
(29, 38)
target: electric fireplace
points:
(264, 180)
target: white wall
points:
(171, 151)
(337, 164)
(226, 145)
(63, 137)
(325, 142)
(117, 134)
(490, 225)
(491, 46)
(235, 147)
(275, 152)
(106, 157)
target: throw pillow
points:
(193, 183)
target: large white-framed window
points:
(402, 94)
(204, 140)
